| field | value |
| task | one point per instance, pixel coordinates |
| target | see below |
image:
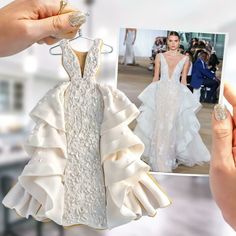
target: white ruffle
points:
(39, 191)
(131, 192)
(189, 143)
(144, 131)
(190, 149)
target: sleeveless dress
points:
(129, 57)
(85, 165)
(167, 124)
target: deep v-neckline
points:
(82, 75)
(175, 67)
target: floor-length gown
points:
(129, 57)
(85, 165)
(167, 124)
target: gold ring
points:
(63, 4)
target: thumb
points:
(222, 137)
(56, 26)
(230, 95)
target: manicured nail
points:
(77, 18)
(220, 112)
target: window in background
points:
(11, 96)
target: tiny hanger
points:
(80, 36)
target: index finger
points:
(230, 95)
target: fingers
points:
(234, 145)
(56, 26)
(234, 138)
(51, 40)
(70, 35)
(234, 154)
(230, 95)
(48, 41)
(224, 133)
(68, 8)
(222, 138)
(51, 8)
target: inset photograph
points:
(174, 78)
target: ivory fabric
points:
(47, 188)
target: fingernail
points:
(40, 42)
(220, 112)
(77, 18)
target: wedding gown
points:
(167, 124)
(129, 57)
(85, 165)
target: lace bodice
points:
(165, 70)
(83, 180)
(71, 62)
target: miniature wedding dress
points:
(85, 165)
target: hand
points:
(25, 22)
(222, 167)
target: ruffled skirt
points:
(130, 190)
(169, 128)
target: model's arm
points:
(157, 68)
(185, 72)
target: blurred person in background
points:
(213, 61)
(129, 40)
(209, 46)
(158, 46)
(193, 45)
(181, 49)
(201, 46)
(201, 75)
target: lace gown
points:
(85, 165)
(168, 125)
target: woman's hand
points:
(24, 22)
(222, 168)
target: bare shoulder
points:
(158, 56)
(164, 53)
(187, 58)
